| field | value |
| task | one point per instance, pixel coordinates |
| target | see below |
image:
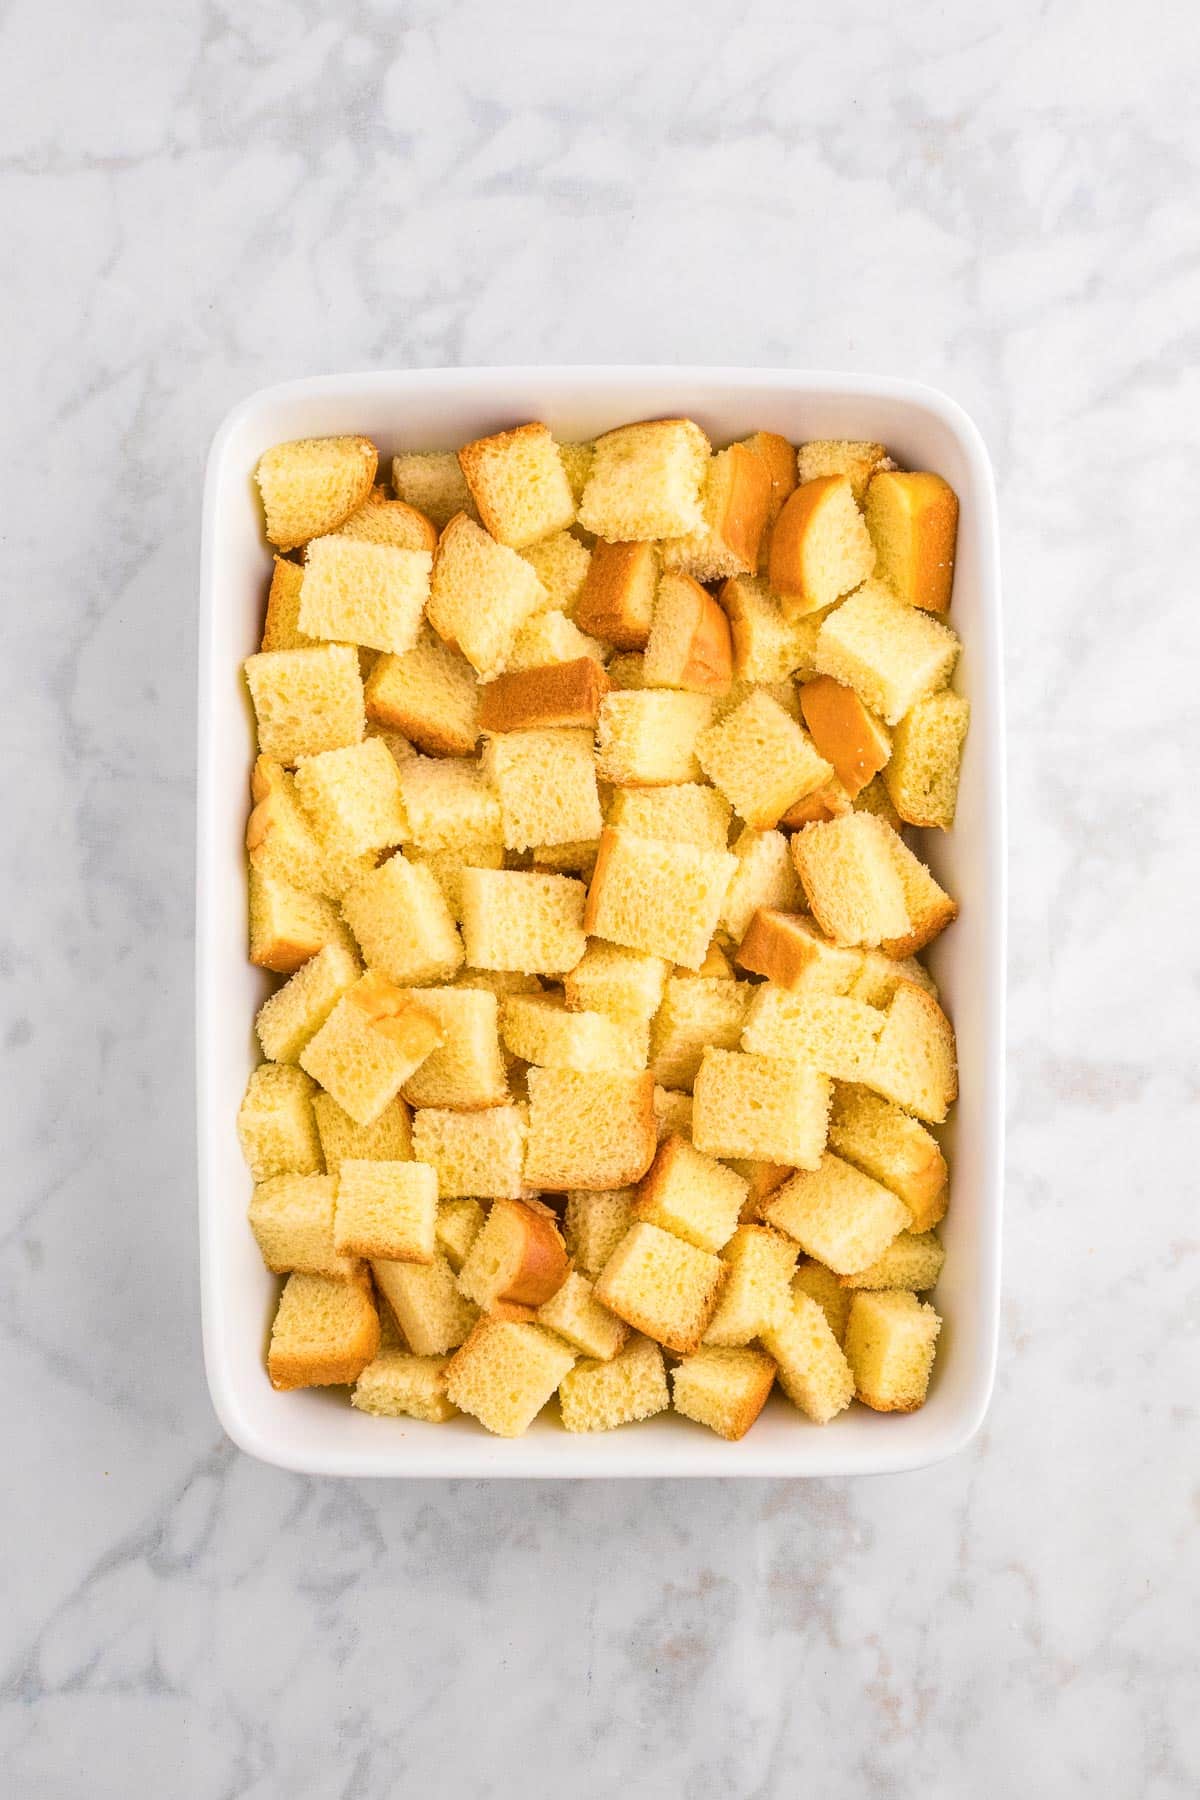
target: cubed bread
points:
(780, 459)
(823, 1286)
(288, 926)
(891, 654)
(757, 1289)
(646, 481)
(646, 737)
(372, 1041)
(387, 1139)
(466, 1070)
(913, 522)
(626, 985)
(429, 1309)
(594, 1223)
(519, 920)
(857, 461)
(325, 1332)
(761, 1108)
(519, 1257)
(398, 1385)
(930, 909)
(539, 1029)
(616, 601)
(429, 694)
(664, 898)
(766, 645)
(505, 1372)
(556, 696)
(828, 1031)
(891, 1339)
(850, 879)
(476, 1154)
(672, 1113)
(837, 1214)
(845, 732)
(661, 1286)
(306, 701)
(560, 563)
(311, 485)
(549, 638)
(588, 1131)
(468, 565)
(353, 797)
(761, 760)
(292, 1218)
(519, 485)
(386, 1209)
(698, 1011)
(788, 949)
(297, 1010)
(723, 1388)
(576, 1315)
(282, 845)
(736, 499)
(765, 877)
(281, 627)
(913, 1261)
(599, 1396)
(433, 482)
(449, 802)
(884, 1141)
(399, 916)
(684, 813)
(820, 546)
(689, 646)
(359, 592)
(694, 1196)
(915, 1063)
(922, 776)
(459, 1223)
(546, 785)
(276, 1127)
(383, 521)
(812, 1370)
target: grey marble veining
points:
(199, 199)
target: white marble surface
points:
(197, 199)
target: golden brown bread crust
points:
(561, 694)
(780, 459)
(616, 601)
(776, 945)
(544, 1263)
(292, 1369)
(747, 503)
(817, 808)
(931, 505)
(932, 922)
(705, 663)
(845, 733)
(604, 855)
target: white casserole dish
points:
(317, 1431)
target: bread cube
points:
(684, 813)
(765, 877)
(616, 602)
(297, 1010)
(760, 1107)
(757, 1290)
(626, 985)
(823, 1286)
(913, 522)
(646, 481)
(466, 1070)
(397, 1385)
(697, 1012)
(664, 898)
(837, 1214)
(311, 485)
(577, 1316)
(672, 1114)
(306, 701)
(281, 628)
(560, 563)
(429, 1309)
(383, 521)
(790, 951)
(599, 1396)
(372, 1041)
(689, 646)
(812, 1370)
(399, 915)
(288, 926)
(725, 1389)
(387, 1139)
(736, 499)
(433, 482)
(539, 1029)
(476, 1154)
(779, 458)
(549, 638)
(891, 1339)
(922, 776)
(518, 1257)
(820, 547)
(470, 564)
(883, 1141)
(912, 1261)
(386, 1209)
(851, 881)
(459, 1223)
(429, 694)
(558, 695)
(840, 456)
(282, 845)
(446, 867)
(519, 485)
(761, 760)
(914, 1062)
(588, 1131)
(594, 1223)
(891, 654)
(647, 737)
(505, 1373)
(523, 921)
(697, 1198)
(359, 592)
(292, 1218)
(828, 1031)
(766, 645)
(353, 797)
(275, 1125)
(546, 784)
(449, 802)
(325, 1332)
(930, 909)
(845, 732)
(661, 1286)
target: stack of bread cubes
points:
(602, 1064)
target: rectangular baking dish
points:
(317, 1431)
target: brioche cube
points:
(684, 813)
(820, 547)
(429, 694)
(325, 1332)
(912, 1261)
(914, 1061)
(560, 563)
(829, 1031)
(812, 1370)
(664, 898)
(882, 1140)
(370, 1044)
(823, 1286)
(616, 601)
(446, 867)
(387, 1139)
(448, 801)
(306, 701)
(789, 950)
(757, 1288)
(913, 522)
(425, 1299)
(459, 1223)
(546, 785)
(505, 1372)
(397, 1385)
(296, 1011)
(399, 915)
(599, 1396)
(698, 1011)
(575, 1314)
(891, 1339)
(722, 1388)
(661, 1286)
(588, 1131)
(359, 592)
(281, 628)
(761, 760)
(594, 1223)
(292, 1218)
(736, 499)
(514, 919)
(760, 1107)
(383, 521)
(891, 654)
(626, 985)
(857, 461)
(311, 485)
(837, 1214)
(519, 485)
(549, 638)
(387, 1210)
(353, 797)
(646, 481)
(672, 1113)
(518, 1257)
(476, 1154)
(288, 926)
(845, 732)
(689, 646)
(694, 1196)
(879, 975)
(930, 909)
(922, 776)
(481, 594)
(850, 879)
(647, 737)
(766, 645)
(466, 1070)
(558, 695)
(275, 1125)
(779, 458)
(433, 482)
(539, 1029)
(765, 877)
(283, 847)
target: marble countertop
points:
(199, 199)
